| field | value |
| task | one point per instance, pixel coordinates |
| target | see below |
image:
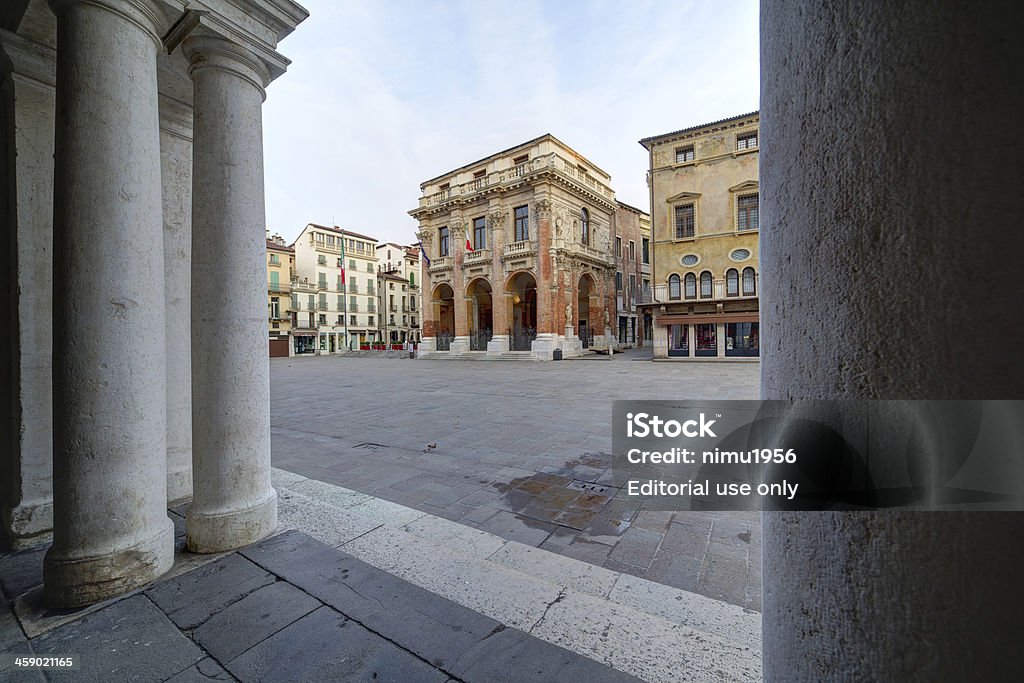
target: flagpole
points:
(344, 294)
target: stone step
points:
(656, 632)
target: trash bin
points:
(556, 354)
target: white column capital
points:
(211, 51)
(149, 15)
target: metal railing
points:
(522, 338)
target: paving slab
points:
(250, 620)
(579, 576)
(192, 598)
(325, 646)
(128, 640)
(204, 671)
(21, 571)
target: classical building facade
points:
(399, 298)
(631, 248)
(280, 271)
(704, 215)
(342, 267)
(519, 249)
(133, 210)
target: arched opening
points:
(585, 329)
(444, 316)
(523, 323)
(479, 306)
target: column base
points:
(428, 344)
(219, 531)
(571, 344)
(460, 345)
(26, 525)
(544, 345)
(79, 581)
(497, 345)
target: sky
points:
(382, 95)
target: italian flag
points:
(342, 262)
(469, 247)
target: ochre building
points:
(704, 224)
(519, 250)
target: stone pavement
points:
(521, 450)
(409, 597)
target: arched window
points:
(584, 226)
(732, 282)
(690, 284)
(705, 285)
(749, 282)
(673, 286)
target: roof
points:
(630, 207)
(646, 141)
(340, 231)
(271, 244)
(503, 152)
(390, 276)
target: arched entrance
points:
(443, 302)
(585, 327)
(523, 311)
(480, 313)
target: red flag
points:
(469, 247)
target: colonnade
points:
(111, 532)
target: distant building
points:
(398, 286)
(280, 271)
(704, 220)
(341, 305)
(519, 249)
(631, 235)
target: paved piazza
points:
(518, 449)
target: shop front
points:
(708, 335)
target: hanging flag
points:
(469, 247)
(422, 251)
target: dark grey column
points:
(891, 229)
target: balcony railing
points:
(516, 249)
(279, 287)
(478, 256)
(440, 263)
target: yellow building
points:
(280, 271)
(704, 223)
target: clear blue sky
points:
(384, 94)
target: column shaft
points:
(111, 531)
(849, 311)
(233, 502)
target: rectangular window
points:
(312, 305)
(746, 212)
(442, 242)
(353, 320)
(341, 302)
(521, 160)
(684, 221)
(275, 307)
(323, 302)
(351, 264)
(741, 339)
(678, 340)
(321, 259)
(684, 154)
(632, 250)
(369, 320)
(707, 344)
(645, 250)
(746, 141)
(618, 247)
(618, 281)
(275, 281)
(632, 286)
(369, 267)
(479, 233)
(522, 223)
(322, 280)
(275, 259)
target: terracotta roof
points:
(271, 244)
(630, 207)
(645, 141)
(390, 276)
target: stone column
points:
(720, 339)
(176, 175)
(111, 531)
(500, 300)
(428, 306)
(27, 78)
(547, 334)
(233, 502)
(460, 343)
(857, 304)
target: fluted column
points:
(500, 304)
(111, 531)
(233, 502)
